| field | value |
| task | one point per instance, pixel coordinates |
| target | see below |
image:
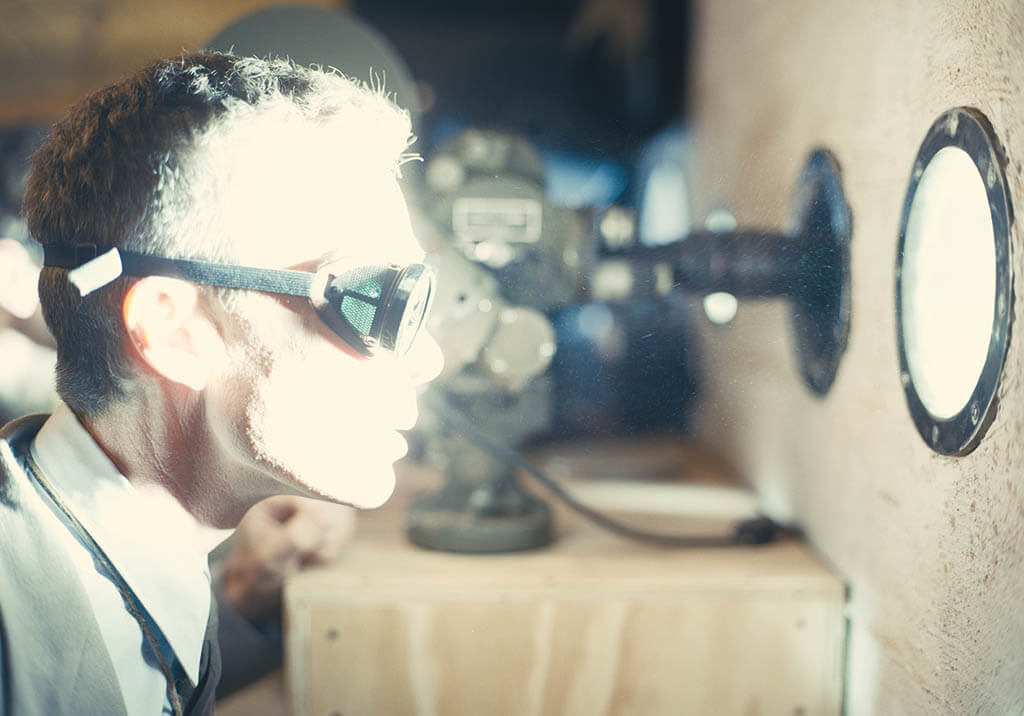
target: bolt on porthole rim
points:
(968, 129)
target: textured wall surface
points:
(932, 547)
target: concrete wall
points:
(932, 547)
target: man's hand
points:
(276, 538)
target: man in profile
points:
(236, 297)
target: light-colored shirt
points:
(154, 543)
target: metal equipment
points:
(513, 259)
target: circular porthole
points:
(953, 282)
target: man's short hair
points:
(140, 165)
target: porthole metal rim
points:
(968, 129)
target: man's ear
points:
(170, 332)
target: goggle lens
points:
(376, 308)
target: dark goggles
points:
(374, 309)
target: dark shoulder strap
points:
(202, 700)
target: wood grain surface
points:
(592, 625)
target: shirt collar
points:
(147, 534)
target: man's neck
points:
(164, 445)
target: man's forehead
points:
(367, 221)
(374, 226)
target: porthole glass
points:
(953, 282)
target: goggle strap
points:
(294, 283)
(89, 270)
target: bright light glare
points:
(664, 210)
(18, 277)
(720, 307)
(948, 282)
(336, 188)
(720, 220)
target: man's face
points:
(313, 413)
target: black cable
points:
(745, 532)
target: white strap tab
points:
(96, 273)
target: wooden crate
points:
(592, 625)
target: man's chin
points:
(376, 493)
(364, 487)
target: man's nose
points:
(424, 361)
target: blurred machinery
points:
(514, 266)
(508, 259)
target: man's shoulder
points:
(47, 621)
(15, 438)
(21, 523)
(26, 524)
